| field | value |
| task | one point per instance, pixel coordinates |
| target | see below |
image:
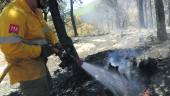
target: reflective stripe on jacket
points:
(21, 34)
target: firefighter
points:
(24, 40)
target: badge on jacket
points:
(13, 28)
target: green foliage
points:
(1, 1)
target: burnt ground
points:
(154, 75)
(155, 79)
(160, 84)
(68, 84)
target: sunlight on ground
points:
(99, 40)
(81, 47)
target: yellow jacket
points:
(22, 31)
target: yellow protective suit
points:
(22, 31)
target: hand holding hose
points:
(65, 56)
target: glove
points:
(58, 49)
(65, 60)
(46, 51)
(79, 61)
(58, 46)
(68, 60)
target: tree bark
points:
(169, 12)
(146, 17)
(63, 37)
(73, 19)
(151, 13)
(60, 28)
(160, 18)
(114, 4)
(117, 13)
(141, 13)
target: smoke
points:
(109, 16)
(122, 82)
(123, 60)
(118, 84)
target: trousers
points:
(38, 87)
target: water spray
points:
(116, 76)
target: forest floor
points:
(128, 39)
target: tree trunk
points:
(160, 18)
(151, 13)
(169, 12)
(145, 11)
(114, 4)
(63, 37)
(141, 13)
(117, 13)
(73, 19)
(60, 28)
